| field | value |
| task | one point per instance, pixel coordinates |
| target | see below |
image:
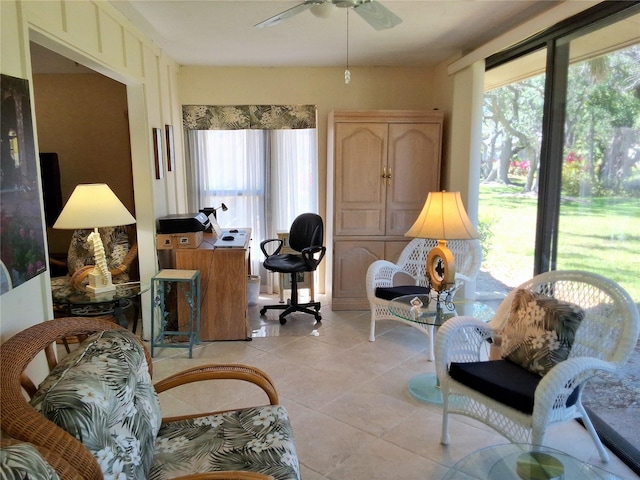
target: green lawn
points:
(600, 235)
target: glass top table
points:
(426, 312)
(422, 309)
(526, 462)
(81, 302)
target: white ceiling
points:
(222, 32)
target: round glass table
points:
(526, 462)
(425, 311)
(81, 302)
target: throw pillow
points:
(102, 394)
(540, 331)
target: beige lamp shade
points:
(93, 205)
(443, 217)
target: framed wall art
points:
(168, 129)
(157, 153)
(22, 237)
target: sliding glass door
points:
(560, 179)
(599, 224)
(561, 175)
(512, 134)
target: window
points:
(265, 177)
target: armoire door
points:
(351, 261)
(413, 166)
(360, 189)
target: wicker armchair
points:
(409, 276)
(604, 340)
(20, 421)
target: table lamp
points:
(211, 210)
(94, 206)
(443, 218)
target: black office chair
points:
(305, 236)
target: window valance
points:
(256, 117)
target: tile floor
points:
(352, 415)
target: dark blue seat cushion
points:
(287, 263)
(502, 380)
(389, 293)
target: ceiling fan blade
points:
(276, 19)
(377, 15)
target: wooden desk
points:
(223, 276)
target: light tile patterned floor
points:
(352, 415)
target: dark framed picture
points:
(157, 153)
(168, 130)
(22, 236)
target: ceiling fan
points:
(373, 12)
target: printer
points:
(183, 223)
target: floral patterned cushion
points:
(257, 439)
(23, 461)
(116, 246)
(540, 330)
(102, 394)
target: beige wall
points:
(84, 119)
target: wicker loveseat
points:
(99, 411)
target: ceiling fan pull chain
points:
(347, 73)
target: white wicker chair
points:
(603, 342)
(411, 267)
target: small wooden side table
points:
(187, 283)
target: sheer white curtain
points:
(265, 177)
(294, 177)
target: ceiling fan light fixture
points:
(347, 76)
(322, 10)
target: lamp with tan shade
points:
(443, 218)
(95, 206)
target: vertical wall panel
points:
(11, 51)
(133, 52)
(81, 20)
(48, 15)
(112, 40)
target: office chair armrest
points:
(309, 255)
(264, 243)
